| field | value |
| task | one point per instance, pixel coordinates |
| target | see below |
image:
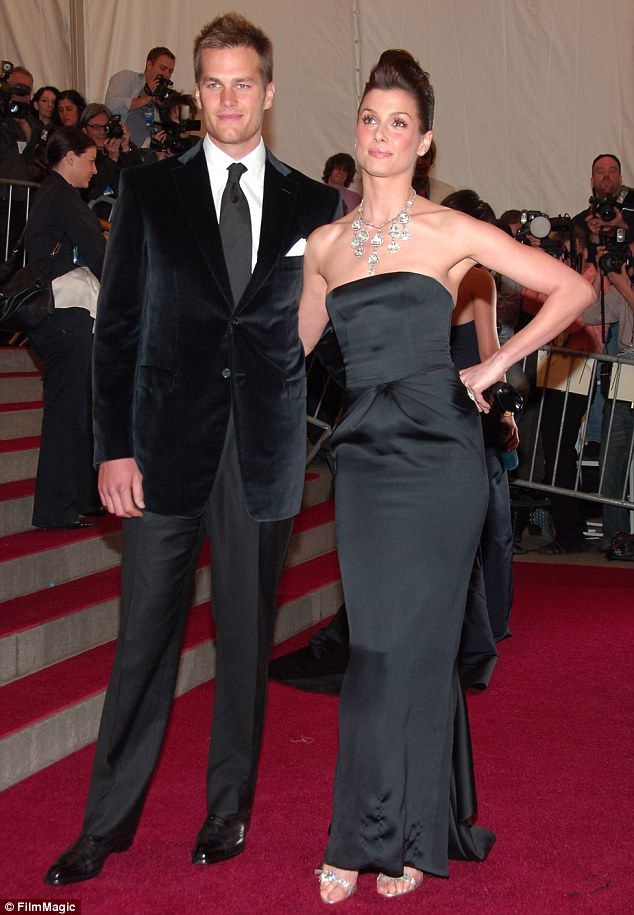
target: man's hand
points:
(121, 488)
(595, 224)
(621, 280)
(125, 140)
(25, 127)
(511, 436)
(113, 148)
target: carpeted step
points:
(34, 559)
(20, 419)
(56, 622)
(18, 457)
(16, 500)
(16, 387)
(37, 630)
(16, 506)
(17, 359)
(53, 712)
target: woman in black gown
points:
(411, 489)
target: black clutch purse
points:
(26, 293)
(503, 399)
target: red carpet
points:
(550, 739)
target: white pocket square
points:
(298, 248)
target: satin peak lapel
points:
(192, 183)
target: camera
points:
(174, 142)
(540, 225)
(18, 109)
(114, 130)
(163, 90)
(603, 207)
(617, 252)
(8, 107)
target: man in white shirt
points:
(199, 427)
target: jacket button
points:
(226, 373)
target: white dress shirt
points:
(252, 183)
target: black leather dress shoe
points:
(85, 858)
(220, 839)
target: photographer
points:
(114, 150)
(615, 455)
(20, 130)
(611, 204)
(133, 95)
(173, 136)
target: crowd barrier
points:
(565, 382)
(15, 202)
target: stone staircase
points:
(59, 595)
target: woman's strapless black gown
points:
(411, 496)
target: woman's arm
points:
(484, 298)
(313, 315)
(567, 295)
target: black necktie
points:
(235, 231)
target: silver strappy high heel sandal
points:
(327, 876)
(412, 882)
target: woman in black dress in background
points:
(411, 489)
(66, 482)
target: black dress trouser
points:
(66, 482)
(160, 555)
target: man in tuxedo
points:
(199, 426)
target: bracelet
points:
(508, 413)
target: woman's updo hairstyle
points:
(467, 201)
(397, 69)
(65, 140)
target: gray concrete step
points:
(30, 748)
(35, 561)
(18, 388)
(17, 359)
(20, 423)
(20, 464)
(16, 513)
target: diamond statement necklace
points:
(397, 232)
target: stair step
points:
(20, 386)
(16, 506)
(20, 419)
(56, 711)
(35, 559)
(17, 359)
(18, 457)
(16, 499)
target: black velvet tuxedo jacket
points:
(173, 356)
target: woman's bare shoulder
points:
(325, 236)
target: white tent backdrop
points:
(528, 91)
